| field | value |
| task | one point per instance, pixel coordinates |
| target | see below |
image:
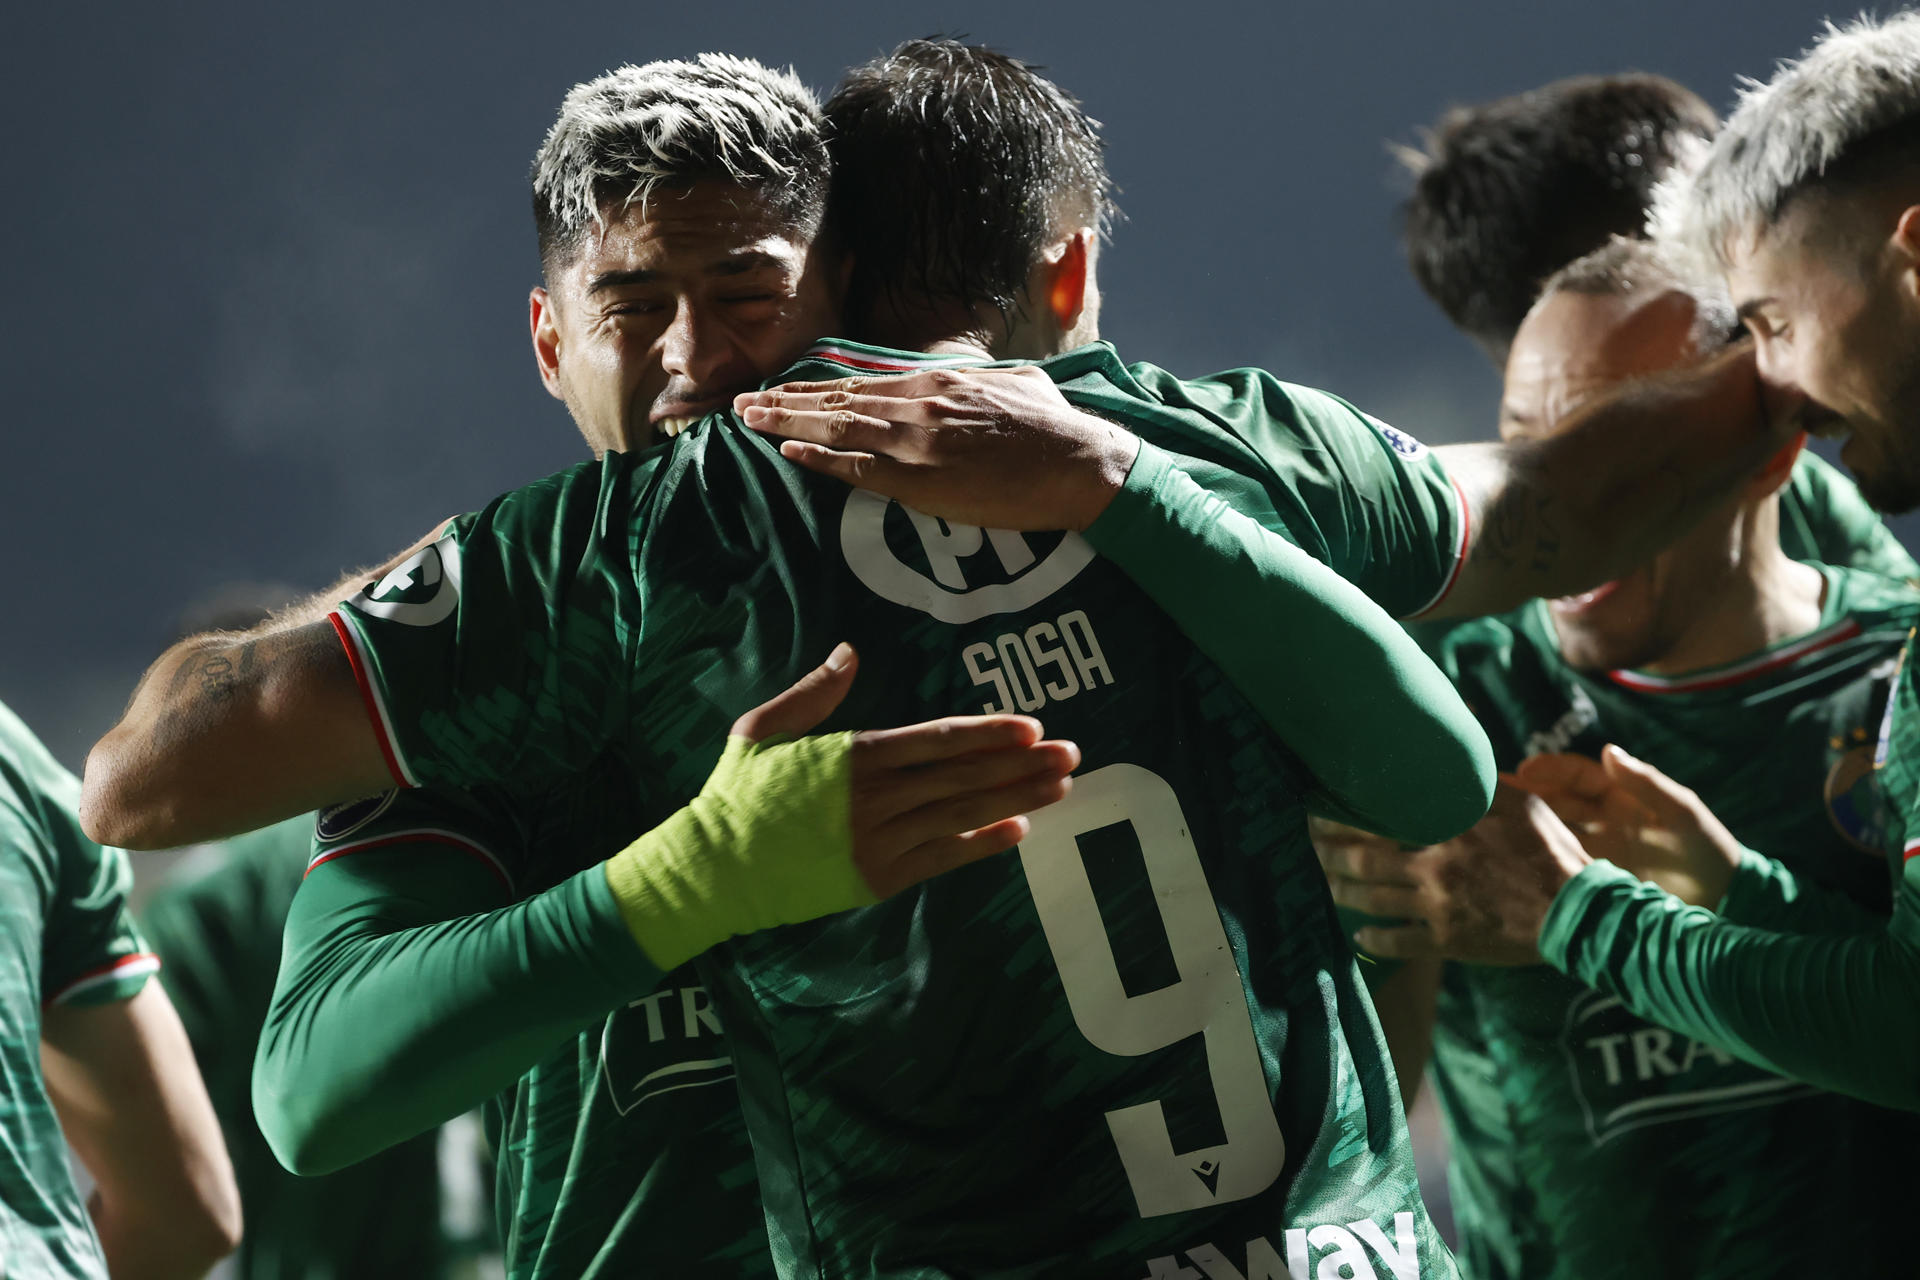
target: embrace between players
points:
(1141, 1044)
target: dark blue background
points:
(268, 265)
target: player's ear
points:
(1068, 274)
(1906, 243)
(545, 326)
(1773, 477)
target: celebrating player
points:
(1553, 1091)
(1510, 191)
(627, 1085)
(90, 1041)
(1810, 203)
(1031, 118)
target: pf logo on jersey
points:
(1001, 572)
(420, 591)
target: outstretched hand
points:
(1638, 818)
(995, 447)
(1480, 897)
(926, 798)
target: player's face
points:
(1835, 317)
(678, 307)
(1571, 347)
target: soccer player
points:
(1404, 554)
(1008, 123)
(1585, 1139)
(1510, 191)
(218, 923)
(92, 1049)
(1810, 204)
(621, 1146)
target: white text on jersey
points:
(1340, 1252)
(1048, 662)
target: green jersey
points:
(1588, 1141)
(217, 924)
(1140, 1046)
(623, 1151)
(1824, 519)
(67, 939)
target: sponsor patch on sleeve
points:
(336, 822)
(1399, 441)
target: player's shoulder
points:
(481, 823)
(1456, 643)
(1873, 602)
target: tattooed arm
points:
(232, 730)
(1624, 477)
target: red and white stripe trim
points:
(355, 645)
(1913, 847)
(138, 965)
(879, 363)
(1758, 665)
(1460, 541)
(419, 835)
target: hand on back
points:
(997, 448)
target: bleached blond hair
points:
(1624, 267)
(1855, 85)
(673, 123)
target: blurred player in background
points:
(1810, 204)
(1508, 192)
(217, 922)
(90, 1048)
(1585, 1139)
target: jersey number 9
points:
(1208, 998)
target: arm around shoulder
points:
(229, 732)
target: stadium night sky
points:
(271, 262)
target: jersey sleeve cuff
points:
(1129, 517)
(1462, 539)
(1569, 918)
(1748, 891)
(119, 979)
(372, 698)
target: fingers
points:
(862, 470)
(1661, 795)
(941, 739)
(936, 857)
(880, 794)
(811, 700)
(1371, 861)
(969, 812)
(1571, 774)
(1412, 941)
(833, 425)
(1394, 902)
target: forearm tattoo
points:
(1522, 531)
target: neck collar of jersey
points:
(1834, 627)
(862, 358)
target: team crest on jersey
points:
(1856, 804)
(338, 821)
(955, 573)
(1399, 441)
(420, 591)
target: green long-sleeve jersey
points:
(1591, 1135)
(1834, 1008)
(217, 924)
(65, 938)
(1823, 519)
(631, 609)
